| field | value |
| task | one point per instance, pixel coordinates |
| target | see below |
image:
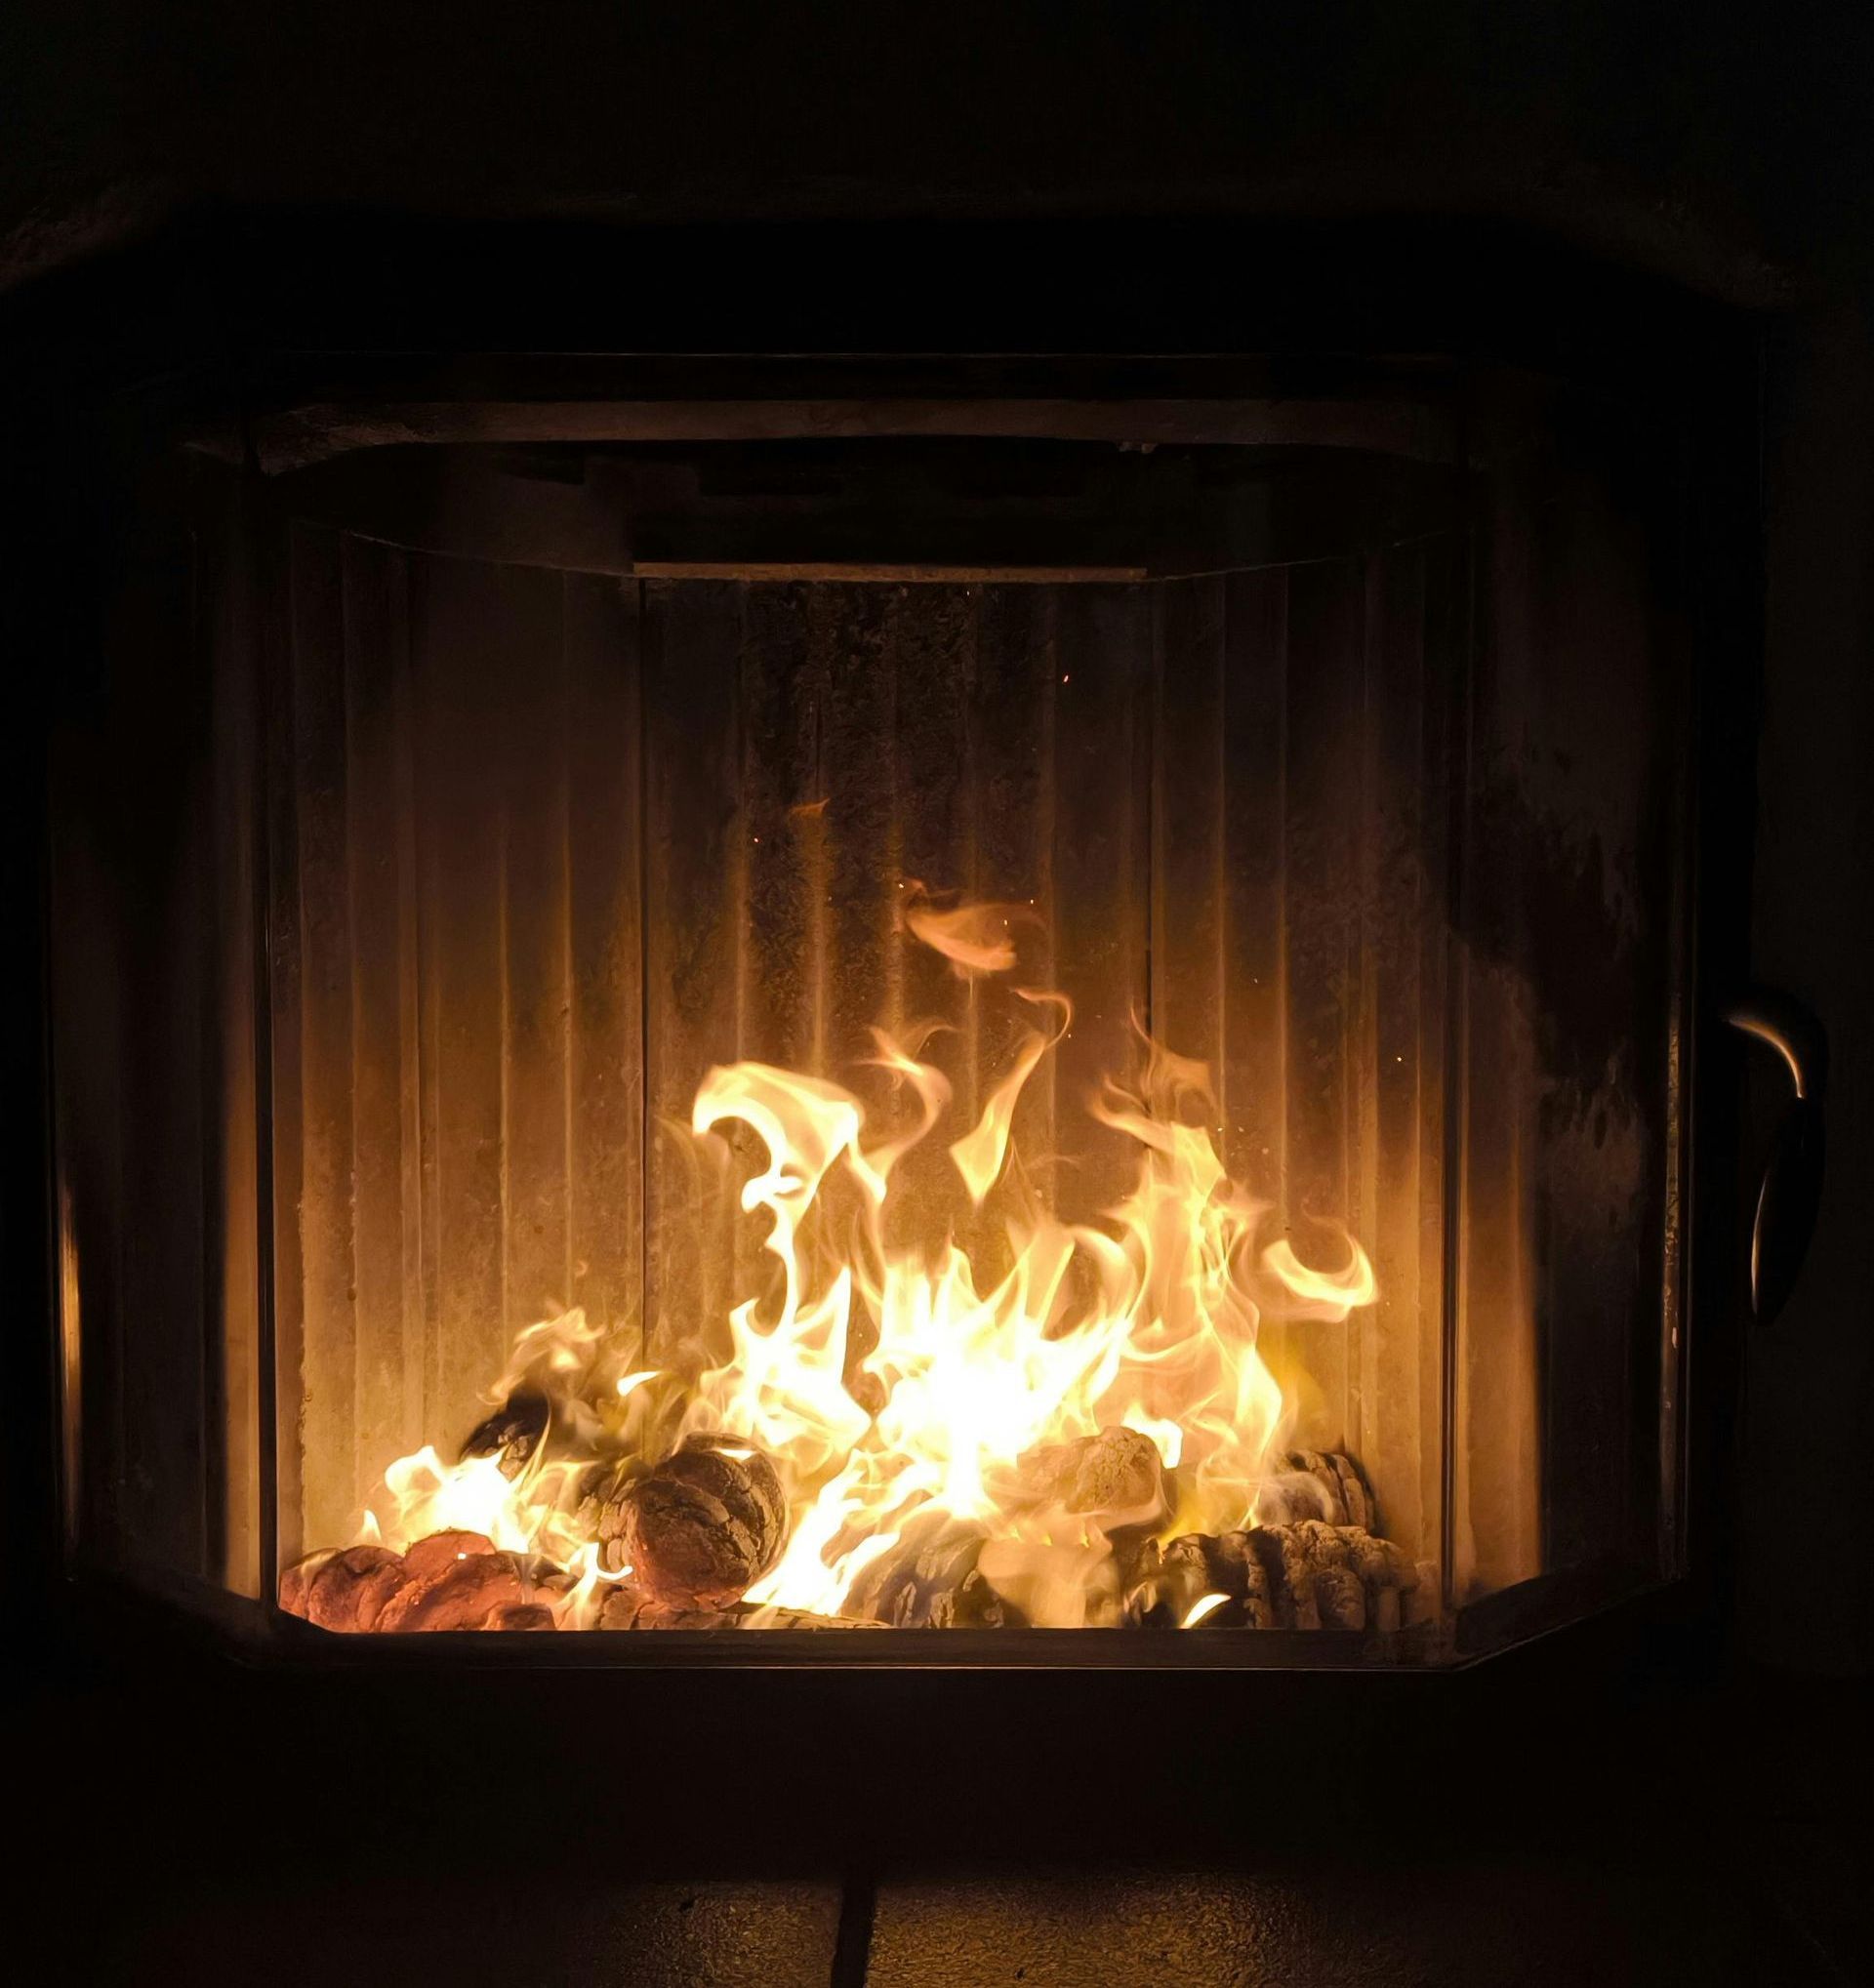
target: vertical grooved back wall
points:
(564, 841)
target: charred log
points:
(603, 1513)
(1340, 1602)
(1308, 1575)
(527, 1615)
(513, 1432)
(1170, 1580)
(1290, 1567)
(1331, 1576)
(1167, 1583)
(1400, 1591)
(1237, 1571)
(1356, 1493)
(932, 1580)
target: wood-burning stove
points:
(910, 907)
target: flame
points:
(981, 1152)
(1323, 1293)
(975, 938)
(932, 1089)
(892, 1383)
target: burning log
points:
(1167, 1583)
(1117, 1471)
(932, 1580)
(471, 1590)
(463, 1593)
(704, 1525)
(526, 1615)
(1170, 1580)
(451, 1580)
(629, 1607)
(603, 1515)
(298, 1580)
(513, 1432)
(441, 1550)
(345, 1591)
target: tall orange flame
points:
(1147, 1320)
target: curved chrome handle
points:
(1791, 1193)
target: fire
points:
(898, 1385)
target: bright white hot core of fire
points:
(892, 1380)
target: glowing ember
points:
(1092, 1381)
(1205, 1605)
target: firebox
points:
(868, 1008)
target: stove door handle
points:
(1791, 1193)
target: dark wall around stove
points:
(1723, 149)
(1676, 133)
